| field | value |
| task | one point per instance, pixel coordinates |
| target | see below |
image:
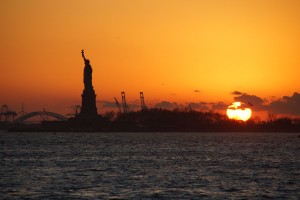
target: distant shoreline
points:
(158, 120)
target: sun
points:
(238, 111)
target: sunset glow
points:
(181, 52)
(236, 112)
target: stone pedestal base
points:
(88, 105)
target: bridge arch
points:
(39, 113)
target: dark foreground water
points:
(149, 166)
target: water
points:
(149, 166)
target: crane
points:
(143, 106)
(118, 105)
(7, 113)
(125, 107)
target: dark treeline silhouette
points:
(162, 120)
(186, 120)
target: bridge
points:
(40, 113)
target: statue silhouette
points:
(88, 107)
(87, 75)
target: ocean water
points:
(149, 166)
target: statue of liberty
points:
(88, 104)
(87, 75)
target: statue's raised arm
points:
(82, 53)
(86, 61)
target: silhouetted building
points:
(88, 104)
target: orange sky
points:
(166, 48)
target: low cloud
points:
(201, 106)
(219, 106)
(251, 100)
(134, 106)
(107, 104)
(236, 93)
(166, 105)
(112, 105)
(286, 105)
(197, 91)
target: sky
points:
(202, 53)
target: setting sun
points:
(238, 112)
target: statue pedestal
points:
(88, 105)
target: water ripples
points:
(149, 166)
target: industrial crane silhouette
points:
(118, 105)
(143, 106)
(125, 107)
(7, 114)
